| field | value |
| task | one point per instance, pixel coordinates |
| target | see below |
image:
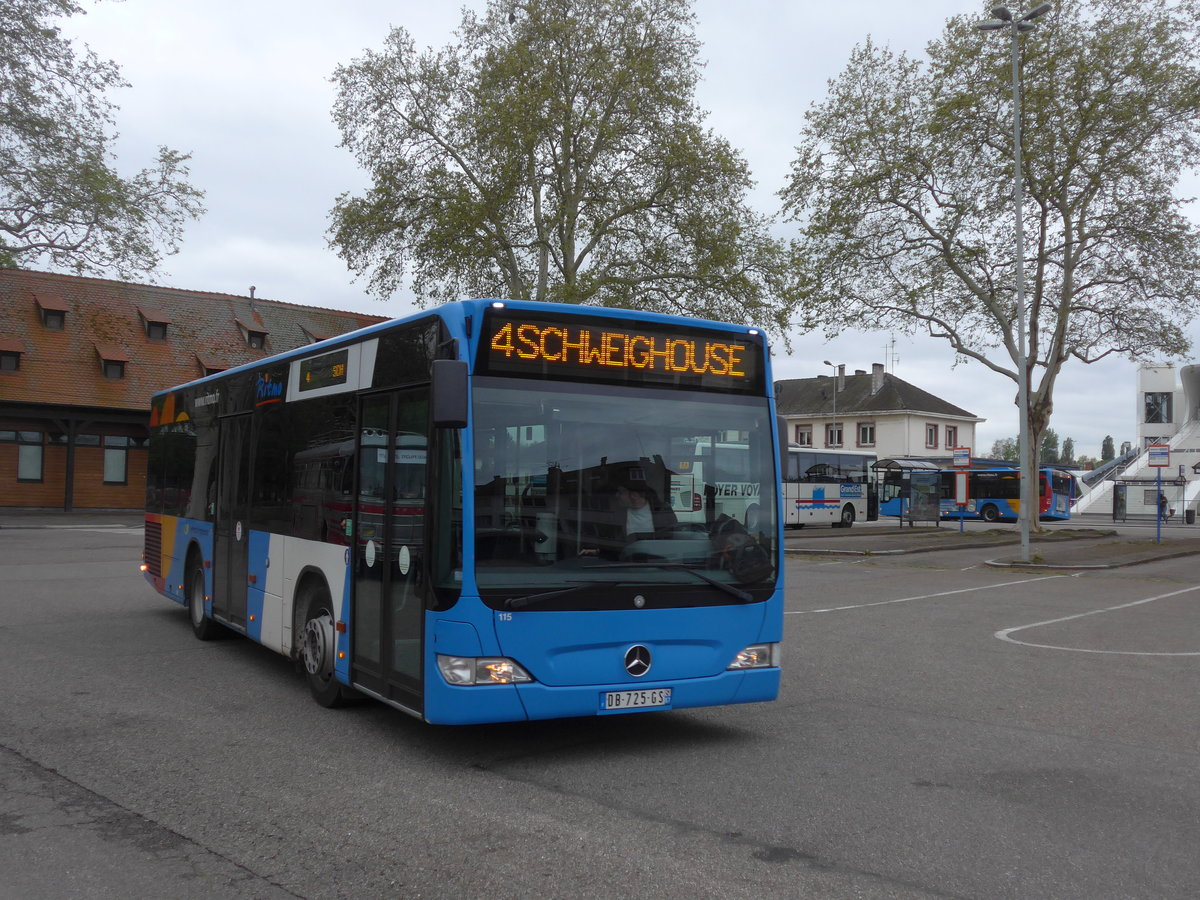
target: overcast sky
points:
(244, 86)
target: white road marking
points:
(1005, 634)
(970, 590)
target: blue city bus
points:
(993, 494)
(428, 512)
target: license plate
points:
(643, 699)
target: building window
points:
(833, 434)
(114, 368)
(931, 436)
(1158, 408)
(256, 339)
(804, 435)
(29, 454)
(9, 362)
(951, 436)
(156, 331)
(866, 434)
(116, 454)
(54, 319)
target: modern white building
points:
(1166, 412)
(872, 411)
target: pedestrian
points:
(1162, 506)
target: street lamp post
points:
(1003, 18)
(837, 374)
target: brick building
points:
(80, 357)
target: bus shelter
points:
(910, 489)
(1138, 498)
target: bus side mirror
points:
(449, 391)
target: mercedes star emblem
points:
(637, 660)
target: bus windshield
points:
(580, 488)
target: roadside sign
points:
(1160, 456)
(962, 457)
(960, 488)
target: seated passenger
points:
(644, 512)
(637, 513)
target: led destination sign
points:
(323, 371)
(603, 350)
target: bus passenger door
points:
(232, 528)
(389, 604)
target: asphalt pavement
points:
(1090, 542)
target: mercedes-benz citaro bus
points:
(467, 513)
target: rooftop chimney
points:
(876, 377)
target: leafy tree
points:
(1005, 448)
(1107, 451)
(903, 190)
(1049, 454)
(552, 152)
(1067, 457)
(62, 202)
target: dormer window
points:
(52, 310)
(10, 354)
(154, 322)
(314, 337)
(254, 335)
(210, 366)
(112, 360)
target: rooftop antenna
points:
(889, 353)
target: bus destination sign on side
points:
(605, 350)
(323, 371)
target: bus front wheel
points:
(989, 513)
(847, 519)
(202, 626)
(317, 649)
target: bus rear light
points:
(143, 568)
(757, 656)
(477, 670)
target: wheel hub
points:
(318, 646)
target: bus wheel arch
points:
(202, 626)
(315, 641)
(847, 517)
(989, 513)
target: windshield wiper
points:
(743, 596)
(533, 599)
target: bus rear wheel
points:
(847, 519)
(317, 644)
(989, 513)
(202, 626)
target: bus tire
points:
(989, 513)
(203, 627)
(847, 519)
(317, 643)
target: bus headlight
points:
(474, 670)
(757, 656)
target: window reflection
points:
(573, 483)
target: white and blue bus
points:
(422, 512)
(828, 487)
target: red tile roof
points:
(102, 317)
